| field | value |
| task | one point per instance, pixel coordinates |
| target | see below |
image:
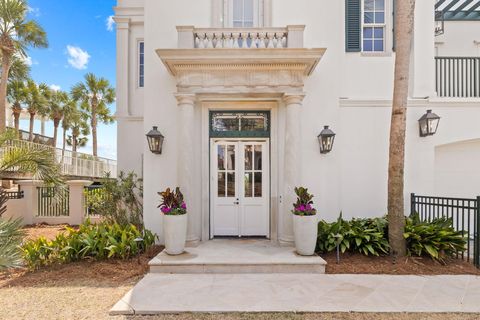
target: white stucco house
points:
(241, 89)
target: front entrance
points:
(240, 188)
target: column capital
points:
(122, 23)
(293, 98)
(82, 183)
(186, 98)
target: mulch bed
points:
(44, 230)
(353, 263)
(105, 272)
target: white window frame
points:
(139, 76)
(385, 25)
(258, 13)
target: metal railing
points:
(53, 202)
(74, 164)
(37, 138)
(457, 77)
(465, 214)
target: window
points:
(141, 64)
(373, 27)
(239, 124)
(243, 13)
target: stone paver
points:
(289, 292)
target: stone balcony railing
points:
(190, 37)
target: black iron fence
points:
(11, 195)
(53, 202)
(465, 214)
(458, 77)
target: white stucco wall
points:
(351, 92)
(461, 38)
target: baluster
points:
(235, 36)
(227, 40)
(245, 37)
(254, 40)
(210, 40)
(218, 40)
(201, 40)
(261, 40)
(270, 37)
(283, 41)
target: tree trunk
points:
(396, 214)
(64, 142)
(6, 59)
(94, 128)
(30, 130)
(74, 142)
(56, 123)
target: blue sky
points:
(80, 41)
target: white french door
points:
(240, 188)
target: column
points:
(123, 35)
(30, 196)
(76, 200)
(186, 163)
(292, 164)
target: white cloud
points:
(78, 58)
(55, 87)
(34, 11)
(110, 23)
(28, 60)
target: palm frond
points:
(11, 237)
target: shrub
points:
(120, 200)
(366, 236)
(11, 236)
(172, 202)
(100, 241)
(437, 239)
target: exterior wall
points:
(351, 92)
(461, 38)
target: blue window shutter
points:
(353, 10)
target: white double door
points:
(240, 188)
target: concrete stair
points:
(237, 256)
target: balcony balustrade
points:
(190, 37)
(457, 77)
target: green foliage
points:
(303, 206)
(99, 241)
(11, 236)
(366, 236)
(437, 239)
(172, 202)
(120, 200)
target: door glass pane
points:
(221, 157)
(231, 184)
(258, 185)
(248, 157)
(221, 184)
(258, 157)
(248, 185)
(231, 157)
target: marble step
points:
(237, 256)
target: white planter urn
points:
(305, 229)
(175, 231)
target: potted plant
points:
(304, 223)
(174, 210)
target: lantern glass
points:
(428, 124)
(155, 141)
(326, 138)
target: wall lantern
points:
(155, 140)
(326, 139)
(428, 124)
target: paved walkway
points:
(174, 293)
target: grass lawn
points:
(88, 289)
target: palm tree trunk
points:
(64, 142)
(94, 129)
(16, 120)
(30, 130)
(56, 122)
(396, 214)
(6, 59)
(74, 142)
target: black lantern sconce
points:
(428, 124)
(155, 140)
(326, 139)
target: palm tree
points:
(404, 19)
(69, 113)
(56, 109)
(16, 96)
(94, 95)
(80, 129)
(36, 100)
(16, 35)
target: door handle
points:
(236, 202)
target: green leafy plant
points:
(90, 241)
(11, 236)
(366, 236)
(172, 202)
(304, 204)
(437, 239)
(120, 200)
